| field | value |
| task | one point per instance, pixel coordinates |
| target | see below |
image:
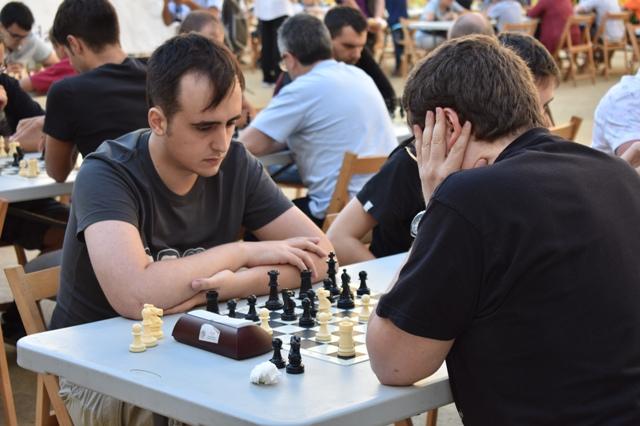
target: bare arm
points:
(630, 152)
(51, 59)
(166, 14)
(59, 158)
(259, 143)
(346, 233)
(402, 367)
(25, 84)
(29, 133)
(378, 12)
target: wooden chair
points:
(20, 253)
(10, 417)
(583, 49)
(411, 54)
(633, 32)
(607, 46)
(431, 420)
(28, 290)
(351, 165)
(569, 130)
(528, 26)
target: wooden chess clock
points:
(231, 337)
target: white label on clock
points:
(209, 333)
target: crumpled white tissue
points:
(265, 373)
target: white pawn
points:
(33, 169)
(23, 168)
(3, 148)
(324, 304)
(264, 318)
(365, 312)
(137, 345)
(12, 148)
(346, 347)
(323, 334)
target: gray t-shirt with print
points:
(119, 182)
(31, 53)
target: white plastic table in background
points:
(201, 388)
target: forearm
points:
(166, 15)
(379, 9)
(350, 249)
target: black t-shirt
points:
(393, 197)
(120, 182)
(98, 105)
(369, 65)
(531, 265)
(19, 105)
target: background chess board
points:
(327, 351)
(6, 169)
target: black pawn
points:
(289, 313)
(363, 289)
(295, 365)
(345, 301)
(305, 283)
(328, 285)
(274, 303)
(16, 160)
(252, 315)
(306, 320)
(312, 297)
(231, 306)
(277, 355)
(212, 301)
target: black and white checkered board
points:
(327, 351)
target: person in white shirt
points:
(505, 12)
(271, 14)
(616, 123)
(614, 30)
(177, 10)
(329, 108)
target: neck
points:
(482, 150)
(177, 179)
(111, 54)
(302, 70)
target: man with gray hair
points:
(329, 108)
(470, 23)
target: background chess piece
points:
(137, 345)
(277, 359)
(323, 334)
(264, 320)
(365, 312)
(33, 168)
(295, 365)
(346, 347)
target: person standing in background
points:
(271, 14)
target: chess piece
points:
(154, 314)
(312, 297)
(33, 169)
(137, 345)
(264, 320)
(274, 303)
(252, 315)
(231, 306)
(324, 304)
(289, 313)
(331, 273)
(148, 339)
(277, 359)
(305, 283)
(295, 365)
(12, 148)
(306, 320)
(22, 164)
(345, 301)
(365, 312)
(363, 289)
(346, 347)
(212, 301)
(3, 148)
(323, 334)
(327, 284)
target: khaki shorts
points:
(90, 408)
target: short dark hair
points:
(344, 16)
(93, 21)
(306, 38)
(196, 20)
(484, 82)
(185, 54)
(538, 59)
(17, 13)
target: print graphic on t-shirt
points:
(171, 253)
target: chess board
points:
(326, 351)
(7, 169)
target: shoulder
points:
(121, 150)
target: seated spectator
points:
(106, 100)
(16, 105)
(614, 30)
(25, 51)
(615, 129)
(41, 81)
(471, 23)
(524, 269)
(396, 9)
(177, 10)
(505, 12)
(553, 16)
(329, 108)
(436, 10)
(156, 213)
(390, 200)
(203, 23)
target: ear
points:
(75, 45)
(157, 121)
(454, 128)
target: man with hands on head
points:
(515, 276)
